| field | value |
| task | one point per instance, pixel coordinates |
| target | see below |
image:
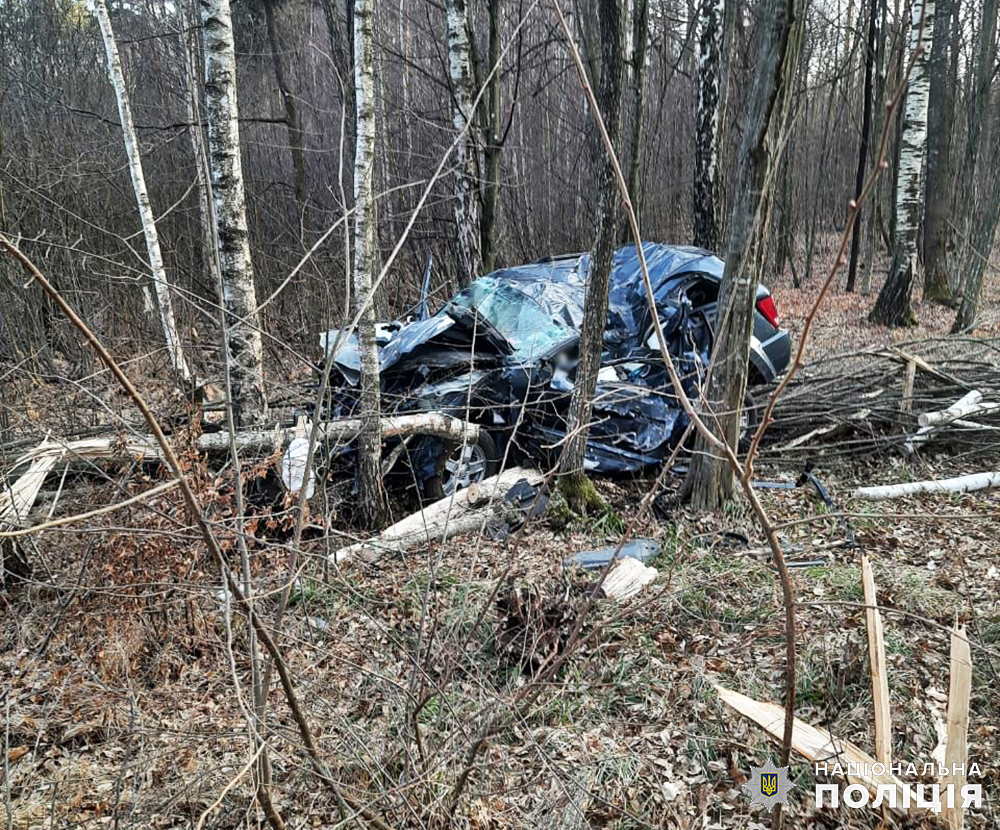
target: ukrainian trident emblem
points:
(768, 783)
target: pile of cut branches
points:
(877, 401)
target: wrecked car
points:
(503, 353)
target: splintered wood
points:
(627, 579)
(448, 517)
(876, 659)
(959, 692)
(17, 498)
(815, 744)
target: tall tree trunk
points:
(982, 77)
(878, 121)
(117, 77)
(985, 201)
(866, 128)
(293, 120)
(939, 193)
(491, 152)
(710, 478)
(977, 252)
(893, 304)
(612, 29)
(371, 499)
(467, 226)
(244, 344)
(706, 142)
(190, 49)
(640, 46)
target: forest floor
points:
(121, 710)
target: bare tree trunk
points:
(190, 49)
(893, 304)
(977, 256)
(491, 152)
(365, 255)
(878, 120)
(979, 128)
(939, 193)
(986, 210)
(612, 29)
(117, 77)
(244, 344)
(710, 479)
(640, 46)
(467, 211)
(706, 142)
(293, 120)
(866, 127)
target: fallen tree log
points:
(18, 497)
(424, 423)
(961, 484)
(449, 516)
(970, 404)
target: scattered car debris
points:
(808, 477)
(593, 560)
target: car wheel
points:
(466, 465)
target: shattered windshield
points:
(526, 325)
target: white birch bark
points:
(912, 152)
(467, 209)
(244, 345)
(365, 240)
(117, 77)
(893, 304)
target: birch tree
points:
(578, 491)
(365, 240)
(190, 47)
(244, 345)
(117, 77)
(893, 304)
(706, 145)
(467, 209)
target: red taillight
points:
(765, 305)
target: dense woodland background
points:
(64, 184)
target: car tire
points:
(481, 456)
